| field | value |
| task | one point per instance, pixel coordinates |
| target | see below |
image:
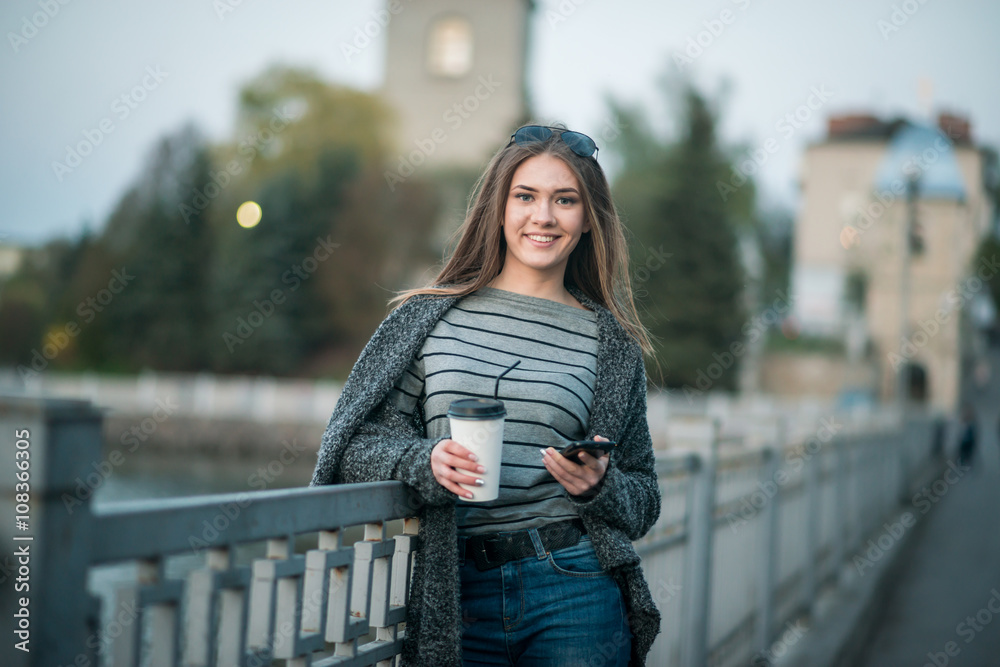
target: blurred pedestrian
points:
(967, 443)
(546, 574)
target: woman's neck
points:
(544, 289)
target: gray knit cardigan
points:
(368, 440)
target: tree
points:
(159, 318)
(312, 155)
(688, 271)
(300, 293)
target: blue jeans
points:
(557, 609)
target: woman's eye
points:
(566, 201)
(523, 196)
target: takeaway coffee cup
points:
(477, 425)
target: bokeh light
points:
(248, 214)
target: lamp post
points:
(912, 244)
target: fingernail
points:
(473, 457)
(480, 469)
(480, 482)
(468, 495)
(542, 451)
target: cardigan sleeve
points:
(629, 495)
(385, 443)
(387, 446)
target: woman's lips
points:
(541, 240)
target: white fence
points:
(263, 398)
(300, 400)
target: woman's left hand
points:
(579, 479)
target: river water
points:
(146, 478)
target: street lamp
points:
(913, 244)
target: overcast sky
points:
(912, 57)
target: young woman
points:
(546, 574)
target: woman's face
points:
(543, 219)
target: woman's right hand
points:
(448, 460)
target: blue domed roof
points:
(923, 150)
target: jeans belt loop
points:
(536, 541)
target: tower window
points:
(450, 48)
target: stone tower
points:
(455, 76)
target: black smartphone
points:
(596, 448)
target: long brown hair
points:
(598, 264)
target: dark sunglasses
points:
(579, 143)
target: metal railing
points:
(319, 576)
(747, 539)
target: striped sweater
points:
(547, 396)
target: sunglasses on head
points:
(579, 143)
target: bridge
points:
(758, 540)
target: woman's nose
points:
(542, 213)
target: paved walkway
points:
(945, 607)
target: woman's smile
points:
(541, 240)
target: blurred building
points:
(892, 214)
(455, 75)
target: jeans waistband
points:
(495, 549)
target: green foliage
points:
(160, 317)
(692, 302)
(988, 254)
(309, 283)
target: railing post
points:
(64, 448)
(768, 547)
(698, 562)
(903, 455)
(810, 480)
(842, 521)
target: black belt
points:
(495, 549)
